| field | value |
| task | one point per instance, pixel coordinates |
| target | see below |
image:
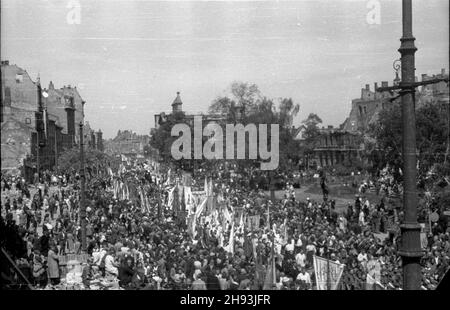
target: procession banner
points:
(230, 247)
(253, 222)
(423, 236)
(198, 196)
(372, 284)
(171, 198)
(200, 208)
(270, 278)
(82, 258)
(324, 268)
(381, 237)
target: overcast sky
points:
(129, 57)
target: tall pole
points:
(328, 271)
(56, 149)
(410, 250)
(38, 160)
(82, 202)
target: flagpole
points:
(274, 280)
(328, 270)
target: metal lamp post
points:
(82, 188)
(410, 250)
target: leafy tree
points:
(94, 160)
(241, 101)
(223, 105)
(431, 139)
(311, 131)
(288, 110)
(162, 139)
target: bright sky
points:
(129, 57)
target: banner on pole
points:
(253, 222)
(327, 272)
(372, 284)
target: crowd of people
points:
(155, 247)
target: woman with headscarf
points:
(70, 244)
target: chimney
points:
(367, 87)
(424, 77)
(442, 71)
(51, 86)
(384, 84)
(375, 86)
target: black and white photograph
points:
(240, 147)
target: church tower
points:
(177, 103)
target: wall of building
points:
(366, 108)
(19, 94)
(23, 122)
(16, 143)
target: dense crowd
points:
(154, 247)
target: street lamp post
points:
(410, 250)
(82, 187)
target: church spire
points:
(177, 103)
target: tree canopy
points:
(384, 141)
(311, 124)
(94, 159)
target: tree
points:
(246, 95)
(223, 105)
(241, 100)
(162, 140)
(431, 139)
(311, 131)
(94, 160)
(288, 110)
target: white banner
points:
(200, 208)
(171, 198)
(324, 268)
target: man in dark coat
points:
(44, 242)
(212, 282)
(126, 272)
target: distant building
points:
(336, 146)
(127, 142)
(188, 118)
(438, 92)
(92, 138)
(365, 109)
(33, 118)
(67, 104)
(22, 120)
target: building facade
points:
(37, 124)
(365, 110)
(127, 142)
(336, 146)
